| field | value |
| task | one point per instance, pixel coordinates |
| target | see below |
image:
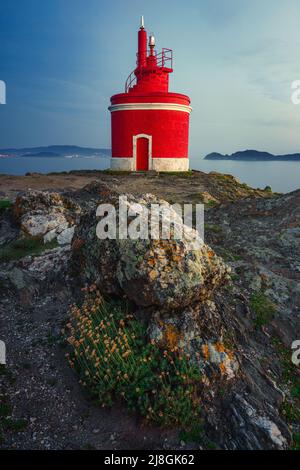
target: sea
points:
(281, 176)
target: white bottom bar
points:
(156, 164)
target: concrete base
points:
(156, 164)
(121, 164)
(170, 164)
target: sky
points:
(61, 61)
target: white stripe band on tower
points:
(150, 106)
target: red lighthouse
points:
(150, 125)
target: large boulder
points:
(47, 215)
(166, 273)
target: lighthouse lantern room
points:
(150, 125)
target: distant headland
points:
(253, 155)
(55, 151)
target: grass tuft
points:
(23, 247)
(263, 308)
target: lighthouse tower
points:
(149, 124)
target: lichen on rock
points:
(167, 273)
(47, 215)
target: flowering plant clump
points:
(114, 361)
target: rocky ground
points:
(254, 405)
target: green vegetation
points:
(268, 189)
(5, 204)
(115, 361)
(7, 423)
(213, 228)
(23, 247)
(263, 308)
(296, 442)
(226, 254)
(211, 203)
(195, 434)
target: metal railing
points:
(130, 82)
(163, 58)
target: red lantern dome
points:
(150, 125)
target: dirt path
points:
(43, 390)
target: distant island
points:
(69, 151)
(253, 155)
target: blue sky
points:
(62, 60)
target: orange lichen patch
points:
(171, 335)
(222, 368)
(220, 347)
(151, 262)
(205, 351)
(210, 253)
(230, 354)
(153, 274)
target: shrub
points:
(263, 307)
(115, 361)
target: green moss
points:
(263, 308)
(5, 204)
(296, 442)
(213, 228)
(15, 425)
(195, 434)
(211, 203)
(23, 247)
(296, 391)
(226, 254)
(290, 411)
(7, 423)
(5, 409)
(211, 445)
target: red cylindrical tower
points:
(150, 125)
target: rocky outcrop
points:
(32, 276)
(47, 215)
(182, 295)
(261, 239)
(169, 274)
